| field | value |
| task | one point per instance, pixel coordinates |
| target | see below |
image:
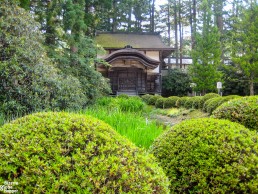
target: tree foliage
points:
(176, 83)
(29, 79)
(206, 55)
(245, 45)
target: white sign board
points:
(219, 85)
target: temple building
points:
(136, 61)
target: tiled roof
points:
(136, 40)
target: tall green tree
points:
(206, 55)
(29, 80)
(245, 45)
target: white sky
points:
(161, 2)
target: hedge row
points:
(208, 103)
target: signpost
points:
(219, 86)
(193, 85)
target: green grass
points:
(131, 125)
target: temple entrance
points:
(128, 80)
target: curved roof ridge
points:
(130, 53)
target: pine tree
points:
(207, 52)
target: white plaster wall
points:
(153, 54)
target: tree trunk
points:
(114, 22)
(193, 29)
(180, 34)
(251, 84)
(169, 36)
(152, 16)
(176, 32)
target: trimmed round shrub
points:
(211, 104)
(146, 98)
(170, 102)
(160, 103)
(70, 153)
(209, 156)
(196, 100)
(241, 110)
(189, 103)
(153, 99)
(181, 101)
(207, 97)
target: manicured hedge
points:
(241, 110)
(211, 104)
(207, 97)
(192, 102)
(196, 100)
(153, 99)
(181, 101)
(209, 156)
(146, 98)
(160, 102)
(69, 153)
(170, 102)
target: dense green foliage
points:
(123, 103)
(160, 103)
(181, 101)
(29, 79)
(152, 100)
(209, 156)
(207, 97)
(206, 54)
(245, 44)
(211, 104)
(192, 102)
(176, 83)
(242, 110)
(69, 153)
(196, 101)
(170, 102)
(146, 98)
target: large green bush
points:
(170, 102)
(195, 101)
(209, 156)
(207, 97)
(181, 101)
(211, 104)
(29, 80)
(146, 98)
(160, 103)
(242, 110)
(153, 99)
(69, 153)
